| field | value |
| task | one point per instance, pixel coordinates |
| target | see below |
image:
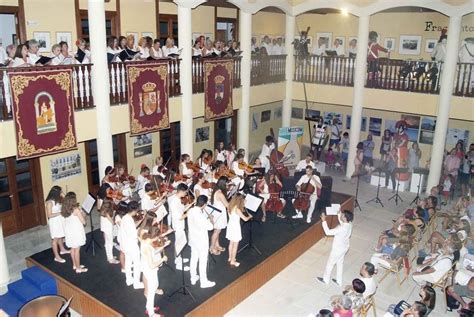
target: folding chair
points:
(402, 264)
(369, 304)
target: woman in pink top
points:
(452, 164)
(344, 308)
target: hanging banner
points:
(290, 141)
(148, 97)
(218, 77)
(43, 110)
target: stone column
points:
(4, 275)
(358, 95)
(444, 101)
(100, 83)
(290, 65)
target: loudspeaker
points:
(324, 199)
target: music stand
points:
(397, 172)
(356, 201)
(420, 171)
(376, 199)
(252, 203)
(87, 206)
(183, 289)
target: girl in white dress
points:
(107, 227)
(198, 186)
(74, 223)
(219, 201)
(56, 222)
(234, 232)
(151, 260)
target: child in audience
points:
(345, 149)
(74, 222)
(107, 226)
(330, 158)
(447, 187)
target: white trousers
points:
(132, 259)
(336, 257)
(109, 244)
(151, 276)
(199, 254)
(312, 204)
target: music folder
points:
(331, 53)
(43, 60)
(80, 55)
(111, 57)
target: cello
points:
(274, 203)
(302, 202)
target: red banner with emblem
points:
(148, 97)
(43, 110)
(218, 77)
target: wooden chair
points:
(369, 304)
(400, 265)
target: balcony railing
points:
(390, 74)
(267, 69)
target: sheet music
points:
(333, 210)
(88, 203)
(252, 202)
(64, 308)
(215, 212)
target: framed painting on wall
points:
(389, 43)
(297, 113)
(342, 40)
(44, 41)
(202, 134)
(64, 37)
(325, 37)
(142, 145)
(410, 45)
(265, 116)
(375, 126)
(150, 34)
(430, 45)
(277, 113)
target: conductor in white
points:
(340, 245)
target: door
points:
(21, 196)
(170, 145)
(168, 28)
(92, 160)
(12, 20)
(111, 25)
(225, 130)
(226, 29)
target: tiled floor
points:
(293, 292)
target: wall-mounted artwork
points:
(375, 126)
(277, 113)
(255, 120)
(390, 126)
(142, 145)
(363, 124)
(412, 134)
(426, 137)
(330, 116)
(297, 113)
(65, 166)
(413, 122)
(150, 34)
(428, 123)
(312, 115)
(430, 45)
(454, 135)
(44, 41)
(410, 45)
(389, 43)
(342, 40)
(64, 37)
(202, 134)
(266, 115)
(325, 37)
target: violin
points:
(139, 216)
(180, 178)
(208, 160)
(186, 200)
(274, 203)
(190, 165)
(165, 187)
(225, 171)
(302, 202)
(113, 179)
(114, 194)
(154, 195)
(246, 167)
(207, 185)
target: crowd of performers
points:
(208, 194)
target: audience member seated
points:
(21, 57)
(392, 235)
(367, 275)
(354, 292)
(432, 270)
(402, 309)
(33, 48)
(343, 308)
(457, 292)
(322, 313)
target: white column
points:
(444, 101)
(358, 96)
(290, 65)
(185, 78)
(245, 68)
(4, 275)
(100, 83)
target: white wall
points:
(7, 28)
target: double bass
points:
(276, 158)
(302, 202)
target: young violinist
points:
(219, 201)
(234, 231)
(129, 245)
(110, 177)
(199, 223)
(315, 181)
(230, 155)
(199, 189)
(153, 201)
(221, 152)
(204, 161)
(177, 210)
(267, 149)
(184, 168)
(75, 235)
(142, 179)
(156, 167)
(107, 227)
(238, 181)
(151, 260)
(122, 210)
(56, 222)
(262, 189)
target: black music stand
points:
(397, 172)
(420, 171)
(356, 201)
(87, 206)
(376, 199)
(183, 289)
(252, 203)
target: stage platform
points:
(102, 290)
